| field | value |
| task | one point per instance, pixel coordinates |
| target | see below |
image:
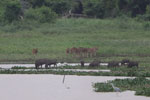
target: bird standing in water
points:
(116, 89)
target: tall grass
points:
(111, 36)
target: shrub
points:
(12, 11)
(43, 15)
(140, 85)
(59, 6)
(146, 26)
(93, 8)
(148, 9)
(103, 87)
(145, 17)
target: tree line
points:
(48, 10)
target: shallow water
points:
(8, 66)
(50, 87)
(33, 65)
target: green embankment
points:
(117, 38)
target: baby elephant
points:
(133, 64)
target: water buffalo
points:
(133, 64)
(82, 63)
(40, 62)
(51, 62)
(114, 64)
(47, 63)
(94, 63)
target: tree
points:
(42, 15)
(148, 9)
(94, 8)
(77, 7)
(12, 11)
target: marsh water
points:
(50, 87)
(33, 65)
(8, 66)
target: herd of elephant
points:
(95, 63)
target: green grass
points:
(113, 37)
(140, 85)
(120, 71)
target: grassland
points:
(116, 39)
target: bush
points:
(103, 87)
(148, 9)
(93, 8)
(59, 6)
(12, 11)
(42, 15)
(145, 17)
(140, 85)
(20, 26)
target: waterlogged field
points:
(39, 87)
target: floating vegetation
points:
(141, 85)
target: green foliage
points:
(77, 7)
(140, 85)
(36, 3)
(101, 87)
(94, 8)
(145, 17)
(144, 91)
(12, 11)
(148, 9)
(43, 15)
(21, 67)
(59, 6)
(146, 26)
(114, 8)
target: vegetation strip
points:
(119, 71)
(140, 85)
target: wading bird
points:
(116, 89)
